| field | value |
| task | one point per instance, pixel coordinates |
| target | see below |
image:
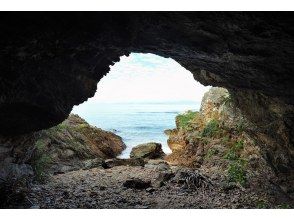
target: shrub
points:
(184, 120)
(237, 173)
(211, 128)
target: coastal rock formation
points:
(148, 151)
(71, 145)
(51, 61)
(56, 61)
(217, 141)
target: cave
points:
(52, 61)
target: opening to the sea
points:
(140, 97)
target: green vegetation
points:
(241, 126)
(225, 139)
(184, 120)
(211, 152)
(211, 129)
(231, 155)
(40, 145)
(40, 164)
(262, 204)
(61, 126)
(237, 173)
(239, 145)
(284, 206)
(82, 126)
(236, 168)
(41, 160)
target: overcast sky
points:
(148, 78)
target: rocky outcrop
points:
(217, 140)
(147, 151)
(71, 145)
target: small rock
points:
(137, 184)
(102, 187)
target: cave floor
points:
(103, 188)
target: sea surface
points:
(136, 123)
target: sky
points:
(147, 78)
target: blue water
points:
(136, 123)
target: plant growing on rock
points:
(40, 160)
(211, 128)
(184, 121)
(237, 173)
(211, 152)
(226, 100)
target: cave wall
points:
(50, 61)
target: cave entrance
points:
(140, 97)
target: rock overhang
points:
(51, 61)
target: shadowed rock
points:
(137, 184)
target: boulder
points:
(149, 151)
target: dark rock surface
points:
(109, 163)
(137, 184)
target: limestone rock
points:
(217, 104)
(149, 150)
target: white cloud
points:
(147, 77)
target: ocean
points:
(136, 123)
